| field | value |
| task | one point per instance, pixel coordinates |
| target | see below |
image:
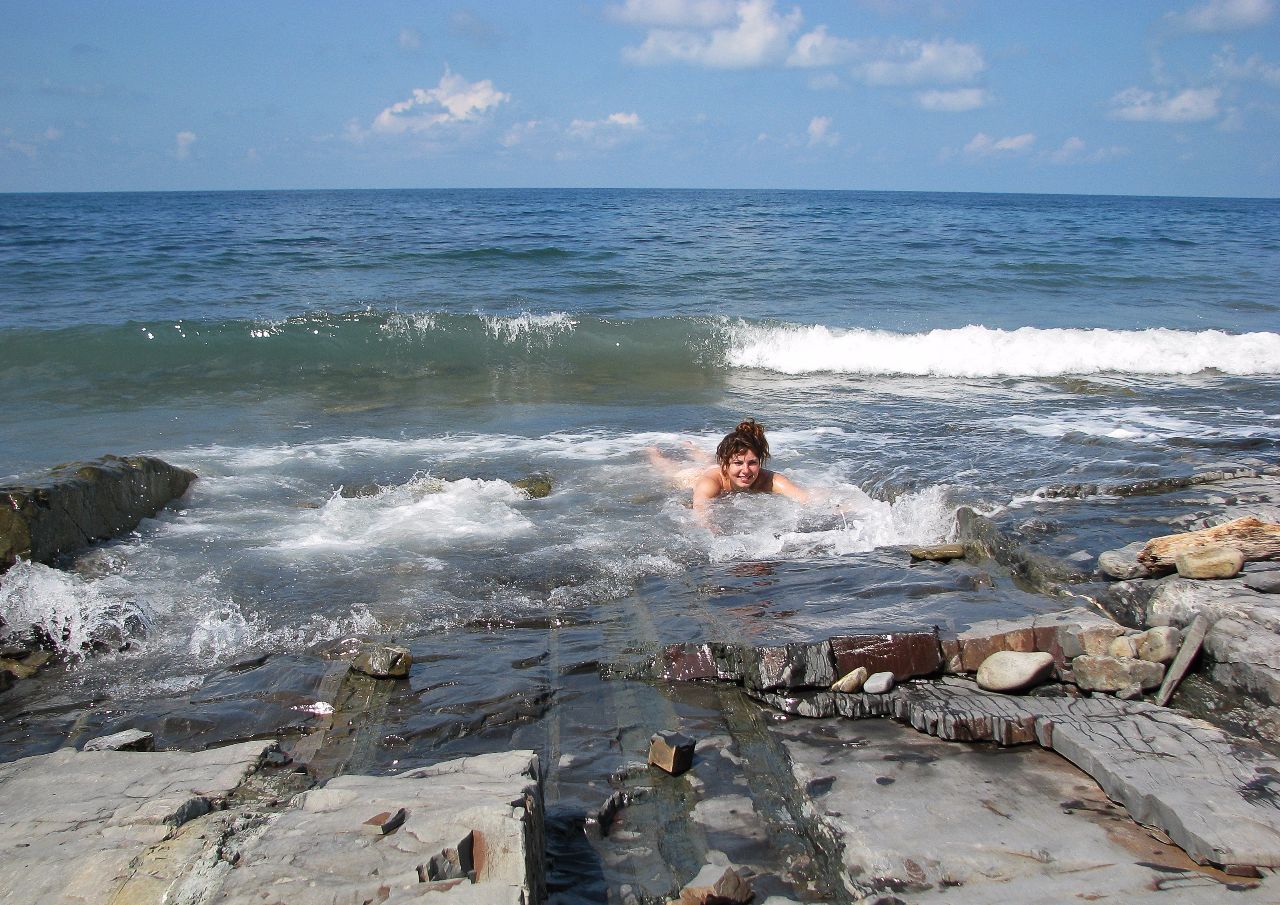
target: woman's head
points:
(747, 437)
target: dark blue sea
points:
(358, 376)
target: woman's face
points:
(742, 470)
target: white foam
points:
(425, 513)
(68, 610)
(1138, 424)
(528, 326)
(227, 631)
(845, 521)
(977, 351)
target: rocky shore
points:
(1121, 746)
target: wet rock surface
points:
(75, 505)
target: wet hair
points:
(746, 437)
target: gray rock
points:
(1010, 671)
(1263, 582)
(1210, 562)
(383, 661)
(1123, 564)
(879, 683)
(128, 740)
(1210, 792)
(1115, 673)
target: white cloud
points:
(820, 132)
(454, 100)
(982, 145)
(1075, 150)
(757, 36)
(1189, 106)
(675, 13)
(913, 62)
(607, 132)
(1255, 68)
(182, 144)
(1223, 15)
(818, 48)
(957, 100)
(410, 39)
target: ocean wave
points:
(977, 351)
(649, 351)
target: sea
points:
(361, 379)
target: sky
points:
(1138, 97)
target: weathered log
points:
(1252, 537)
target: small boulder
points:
(671, 752)
(879, 683)
(938, 552)
(1095, 640)
(852, 681)
(1011, 671)
(1210, 562)
(383, 661)
(128, 740)
(1159, 644)
(1123, 646)
(716, 885)
(1112, 674)
(1123, 564)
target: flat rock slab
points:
(74, 823)
(1216, 796)
(926, 821)
(489, 808)
(139, 828)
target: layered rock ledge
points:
(76, 505)
(203, 828)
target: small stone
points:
(386, 822)
(1210, 562)
(671, 751)
(383, 661)
(1159, 644)
(1123, 646)
(1010, 671)
(938, 552)
(128, 740)
(852, 681)
(1114, 674)
(879, 683)
(1095, 640)
(728, 888)
(1123, 564)
(1263, 582)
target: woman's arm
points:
(784, 486)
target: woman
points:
(739, 468)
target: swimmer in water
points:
(739, 468)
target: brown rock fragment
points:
(905, 654)
(671, 751)
(1210, 562)
(938, 552)
(386, 822)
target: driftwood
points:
(1254, 538)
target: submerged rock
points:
(536, 486)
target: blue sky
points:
(1167, 98)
